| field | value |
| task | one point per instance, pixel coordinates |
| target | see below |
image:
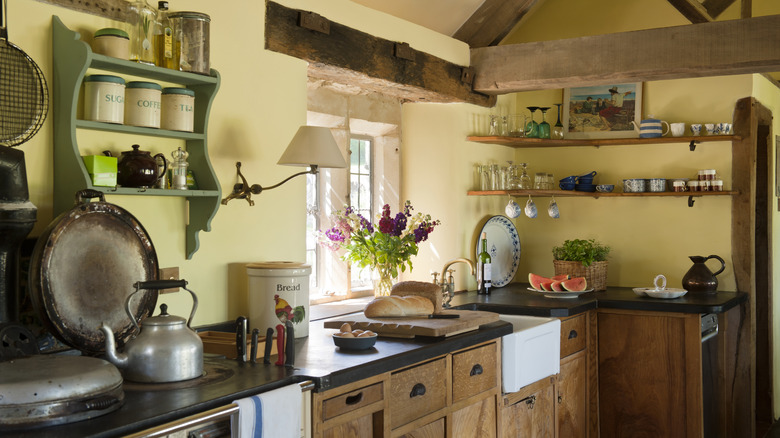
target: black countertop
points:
(318, 360)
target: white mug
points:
(678, 129)
(513, 209)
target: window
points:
(360, 195)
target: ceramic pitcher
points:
(699, 279)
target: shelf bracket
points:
(692, 146)
(690, 199)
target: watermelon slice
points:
(576, 284)
(556, 286)
(560, 277)
(547, 286)
(536, 281)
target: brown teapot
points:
(138, 168)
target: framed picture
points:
(602, 111)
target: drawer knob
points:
(572, 334)
(418, 389)
(354, 399)
(476, 370)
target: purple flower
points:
(386, 225)
(365, 224)
(334, 234)
(400, 224)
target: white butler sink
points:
(532, 352)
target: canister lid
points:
(277, 265)
(112, 31)
(104, 78)
(144, 84)
(177, 90)
(191, 15)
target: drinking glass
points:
(525, 180)
(494, 128)
(544, 127)
(557, 130)
(532, 128)
(517, 125)
(540, 181)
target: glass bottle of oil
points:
(143, 19)
(165, 43)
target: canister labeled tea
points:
(104, 98)
(142, 104)
(178, 109)
(112, 42)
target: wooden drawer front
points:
(473, 371)
(417, 392)
(333, 407)
(573, 335)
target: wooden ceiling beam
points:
(341, 54)
(716, 7)
(493, 21)
(694, 11)
(750, 45)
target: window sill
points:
(338, 308)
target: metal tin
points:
(279, 292)
(104, 98)
(112, 42)
(192, 29)
(142, 104)
(178, 109)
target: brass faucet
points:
(448, 284)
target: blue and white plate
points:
(503, 247)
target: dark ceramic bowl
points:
(585, 187)
(363, 343)
(566, 185)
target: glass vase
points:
(383, 281)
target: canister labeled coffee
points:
(104, 98)
(142, 104)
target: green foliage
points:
(578, 250)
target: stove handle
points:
(100, 403)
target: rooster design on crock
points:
(286, 313)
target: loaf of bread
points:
(421, 289)
(394, 306)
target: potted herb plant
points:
(583, 258)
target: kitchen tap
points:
(448, 283)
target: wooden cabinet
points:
(71, 60)
(650, 373)
(530, 412)
(572, 396)
(448, 396)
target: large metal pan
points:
(84, 266)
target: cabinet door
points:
(532, 417)
(361, 427)
(476, 420)
(573, 397)
(434, 429)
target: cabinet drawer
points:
(473, 371)
(573, 336)
(341, 404)
(417, 391)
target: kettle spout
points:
(117, 359)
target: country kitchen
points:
(516, 362)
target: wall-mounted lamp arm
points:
(243, 190)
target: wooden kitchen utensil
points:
(417, 326)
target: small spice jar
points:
(693, 186)
(716, 185)
(178, 109)
(142, 104)
(707, 175)
(678, 185)
(112, 42)
(104, 98)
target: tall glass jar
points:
(179, 169)
(142, 21)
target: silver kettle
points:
(165, 348)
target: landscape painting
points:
(602, 111)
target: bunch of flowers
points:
(385, 247)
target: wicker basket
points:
(595, 274)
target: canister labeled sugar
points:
(104, 98)
(178, 109)
(142, 104)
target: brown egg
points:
(357, 332)
(347, 335)
(346, 328)
(370, 333)
(365, 335)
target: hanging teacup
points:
(552, 209)
(513, 209)
(530, 208)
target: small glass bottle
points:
(179, 169)
(164, 42)
(142, 21)
(484, 282)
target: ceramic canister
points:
(278, 292)
(112, 42)
(178, 109)
(104, 98)
(142, 104)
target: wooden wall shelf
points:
(522, 142)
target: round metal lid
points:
(164, 318)
(83, 268)
(50, 378)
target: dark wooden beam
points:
(493, 21)
(749, 45)
(716, 7)
(694, 11)
(113, 9)
(351, 57)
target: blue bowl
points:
(566, 185)
(585, 187)
(605, 188)
(355, 343)
(569, 179)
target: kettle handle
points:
(722, 263)
(160, 284)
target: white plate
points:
(667, 294)
(566, 294)
(503, 247)
(640, 291)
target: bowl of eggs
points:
(356, 339)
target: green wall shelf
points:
(71, 59)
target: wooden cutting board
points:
(416, 326)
